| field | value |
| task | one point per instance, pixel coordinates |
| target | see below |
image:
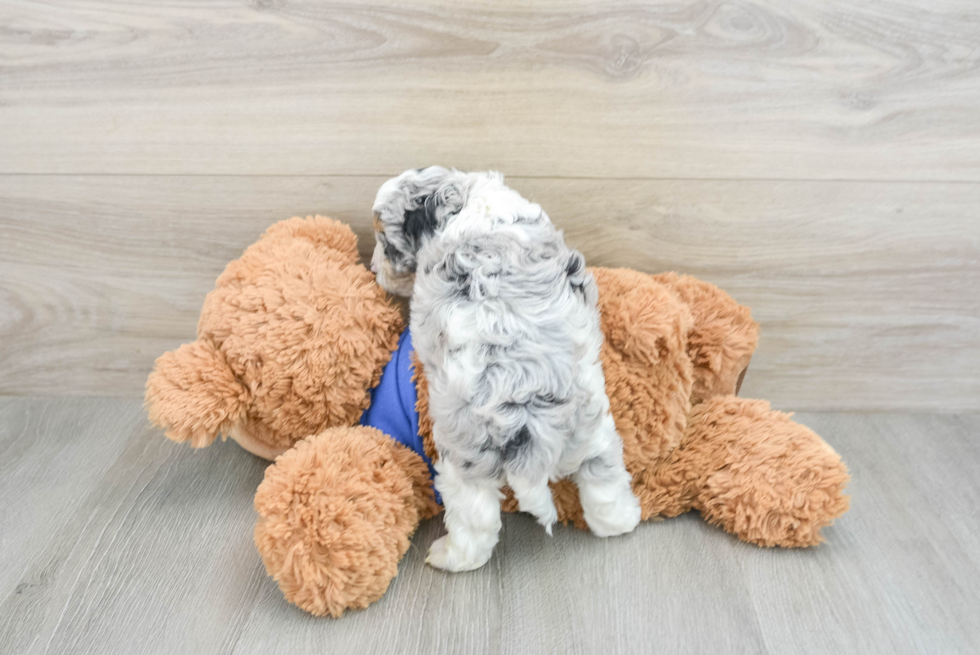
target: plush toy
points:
(302, 358)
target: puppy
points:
(505, 321)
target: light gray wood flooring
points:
(114, 540)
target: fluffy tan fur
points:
(335, 516)
(290, 342)
(297, 332)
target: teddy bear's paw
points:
(445, 554)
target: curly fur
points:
(505, 320)
(735, 460)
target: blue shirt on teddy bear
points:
(393, 401)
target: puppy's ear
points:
(422, 222)
(449, 198)
(432, 212)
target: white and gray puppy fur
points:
(505, 321)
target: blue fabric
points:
(393, 401)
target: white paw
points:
(445, 555)
(614, 518)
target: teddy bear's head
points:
(290, 341)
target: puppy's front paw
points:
(445, 555)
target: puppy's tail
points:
(535, 499)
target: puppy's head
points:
(409, 210)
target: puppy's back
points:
(502, 323)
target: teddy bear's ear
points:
(193, 394)
(324, 232)
(641, 319)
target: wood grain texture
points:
(92, 498)
(788, 89)
(118, 541)
(866, 292)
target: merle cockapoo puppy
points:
(506, 326)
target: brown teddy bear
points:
(293, 342)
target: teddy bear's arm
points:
(193, 394)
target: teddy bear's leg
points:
(335, 516)
(756, 473)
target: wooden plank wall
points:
(820, 160)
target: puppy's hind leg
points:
(604, 485)
(472, 519)
(608, 503)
